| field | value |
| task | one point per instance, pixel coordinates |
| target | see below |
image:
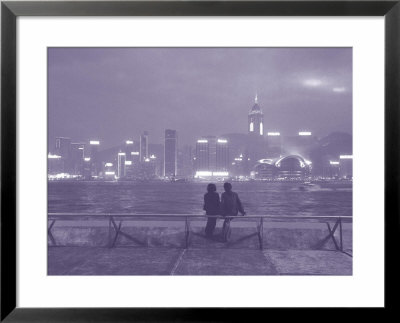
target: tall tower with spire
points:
(256, 120)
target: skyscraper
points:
(202, 160)
(144, 146)
(95, 164)
(128, 149)
(212, 155)
(63, 149)
(256, 120)
(121, 165)
(256, 147)
(222, 155)
(77, 155)
(170, 153)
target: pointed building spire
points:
(256, 99)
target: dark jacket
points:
(231, 204)
(211, 203)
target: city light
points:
(94, 142)
(222, 141)
(210, 174)
(304, 133)
(202, 141)
(220, 174)
(87, 159)
(109, 164)
(238, 159)
(265, 161)
(346, 157)
(121, 154)
(110, 173)
(312, 82)
(147, 160)
(272, 134)
(338, 89)
(153, 157)
(308, 162)
(80, 148)
(261, 129)
(334, 163)
(128, 162)
(251, 126)
(135, 153)
(129, 142)
(203, 173)
(50, 156)
(62, 176)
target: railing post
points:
(109, 230)
(50, 234)
(262, 233)
(341, 234)
(186, 232)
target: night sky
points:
(114, 94)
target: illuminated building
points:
(55, 164)
(256, 146)
(129, 169)
(144, 146)
(222, 155)
(77, 155)
(147, 169)
(63, 149)
(95, 163)
(109, 172)
(287, 167)
(135, 157)
(87, 168)
(202, 160)
(346, 166)
(121, 165)
(128, 149)
(170, 153)
(256, 120)
(212, 156)
(334, 169)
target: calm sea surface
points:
(187, 198)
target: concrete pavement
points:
(195, 261)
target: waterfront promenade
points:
(172, 261)
(160, 248)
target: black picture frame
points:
(10, 10)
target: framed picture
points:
(135, 134)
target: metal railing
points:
(113, 218)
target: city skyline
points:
(115, 94)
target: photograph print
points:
(200, 161)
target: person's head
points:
(211, 188)
(228, 187)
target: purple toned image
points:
(200, 161)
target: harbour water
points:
(269, 198)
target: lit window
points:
(261, 129)
(251, 126)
